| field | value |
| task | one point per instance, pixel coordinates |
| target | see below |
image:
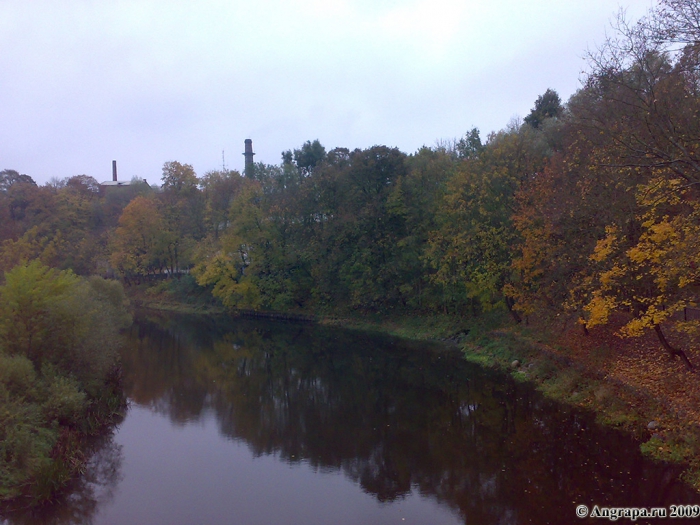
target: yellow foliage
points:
(31, 246)
(228, 264)
(139, 239)
(656, 273)
(605, 247)
(599, 310)
(610, 277)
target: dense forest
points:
(587, 210)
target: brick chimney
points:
(248, 158)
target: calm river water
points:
(248, 422)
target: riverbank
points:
(630, 384)
(174, 295)
(60, 378)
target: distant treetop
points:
(547, 106)
(10, 177)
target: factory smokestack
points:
(248, 158)
(114, 170)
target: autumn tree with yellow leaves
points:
(137, 247)
(612, 226)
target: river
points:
(250, 422)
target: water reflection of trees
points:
(392, 418)
(81, 502)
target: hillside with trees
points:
(583, 209)
(585, 213)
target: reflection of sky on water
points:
(257, 422)
(398, 420)
(190, 473)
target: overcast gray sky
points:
(145, 82)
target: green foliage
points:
(224, 263)
(17, 374)
(110, 294)
(307, 157)
(58, 342)
(473, 247)
(219, 189)
(25, 443)
(547, 106)
(588, 208)
(470, 146)
(65, 402)
(30, 304)
(663, 451)
(566, 382)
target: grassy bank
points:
(181, 295)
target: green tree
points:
(472, 249)
(307, 157)
(219, 189)
(470, 146)
(54, 318)
(369, 222)
(547, 105)
(224, 265)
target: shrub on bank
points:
(59, 374)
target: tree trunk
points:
(509, 305)
(673, 352)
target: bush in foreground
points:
(59, 374)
